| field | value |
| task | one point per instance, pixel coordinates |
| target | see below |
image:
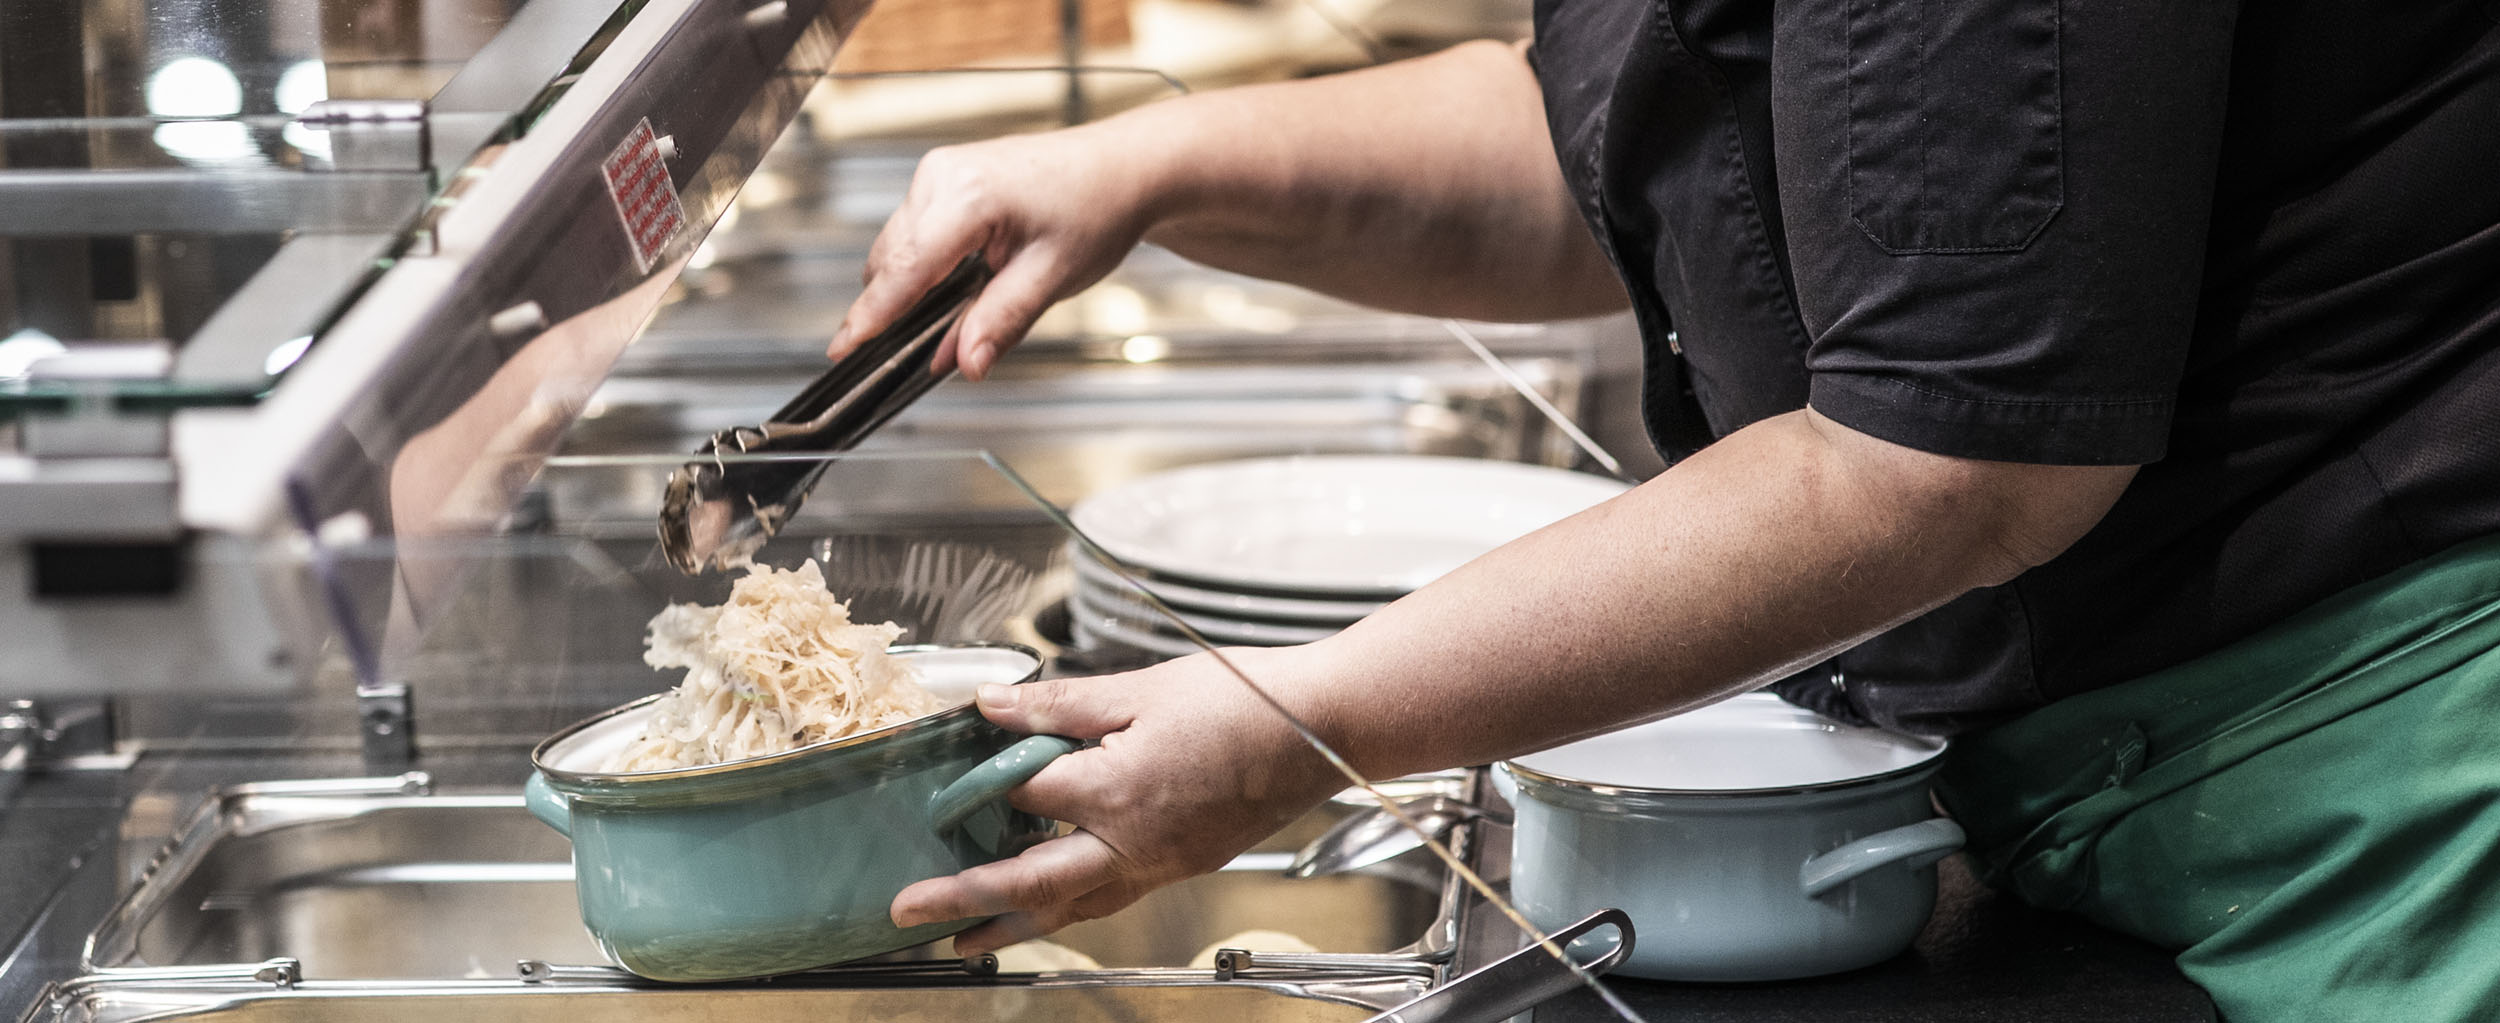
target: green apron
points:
(2312, 815)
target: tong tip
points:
(701, 529)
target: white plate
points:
(1118, 610)
(1245, 605)
(1096, 634)
(1372, 526)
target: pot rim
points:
(1934, 750)
(925, 722)
(1629, 793)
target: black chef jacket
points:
(2255, 248)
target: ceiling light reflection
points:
(285, 355)
(194, 87)
(312, 142)
(206, 141)
(1115, 309)
(301, 85)
(20, 351)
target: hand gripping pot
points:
(790, 861)
(1750, 840)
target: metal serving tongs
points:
(718, 511)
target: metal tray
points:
(379, 879)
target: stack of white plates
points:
(1276, 551)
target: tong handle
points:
(738, 504)
(896, 360)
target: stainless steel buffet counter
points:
(1982, 958)
(324, 456)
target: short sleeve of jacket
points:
(1996, 215)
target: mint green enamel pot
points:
(788, 862)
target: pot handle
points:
(989, 781)
(547, 804)
(1915, 845)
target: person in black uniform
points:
(2112, 386)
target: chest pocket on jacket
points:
(1953, 122)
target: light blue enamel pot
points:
(787, 862)
(1750, 840)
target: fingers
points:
(910, 256)
(1010, 928)
(1071, 789)
(1053, 873)
(943, 362)
(1079, 708)
(1025, 286)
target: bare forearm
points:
(1427, 185)
(1777, 547)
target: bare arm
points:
(1780, 546)
(1424, 186)
(1776, 547)
(1428, 186)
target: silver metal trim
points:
(413, 783)
(86, 498)
(158, 999)
(21, 728)
(535, 971)
(37, 203)
(387, 724)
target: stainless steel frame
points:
(159, 893)
(115, 985)
(37, 203)
(268, 992)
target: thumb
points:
(1079, 708)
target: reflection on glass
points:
(20, 351)
(206, 142)
(284, 356)
(194, 87)
(314, 143)
(300, 86)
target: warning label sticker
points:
(645, 199)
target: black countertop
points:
(1984, 958)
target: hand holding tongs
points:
(718, 511)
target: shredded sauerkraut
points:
(779, 666)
